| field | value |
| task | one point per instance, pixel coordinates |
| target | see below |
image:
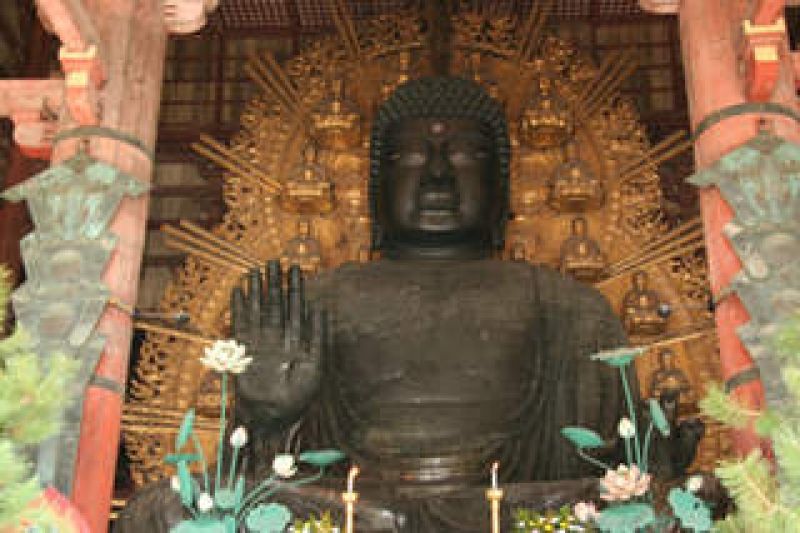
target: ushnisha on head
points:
(439, 170)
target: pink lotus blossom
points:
(624, 483)
(585, 511)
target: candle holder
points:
(494, 496)
(349, 498)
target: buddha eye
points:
(461, 158)
(468, 156)
(411, 159)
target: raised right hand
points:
(286, 339)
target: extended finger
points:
(296, 302)
(319, 333)
(238, 314)
(255, 296)
(274, 294)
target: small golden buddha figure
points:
(336, 121)
(580, 255)
(574, 186)
(669, 380)
(302, 250)
(547, 121)
(308, 190)
(643, 312)
(517, 252)
(364, 254)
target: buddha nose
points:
(439, 167)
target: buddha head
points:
(439, 170)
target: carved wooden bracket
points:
(768, 11)
(83, 78)
(762, 56)
(660, 7)
(32, 106)
(72, 23)
(187, 16)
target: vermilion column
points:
(13, 216)
(134, 45)
(712, 40)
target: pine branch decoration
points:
(31, 400)
(719, 406)
(767, 498)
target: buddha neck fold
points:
(465, 252)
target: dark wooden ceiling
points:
(312, 16)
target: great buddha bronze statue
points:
(426, 365)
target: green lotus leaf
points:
(199, 526)
(618, 357)
(582, 437)
(658, 417)
(225, 499)
(693, 512)
(185, 430)
(186, 488)
(175, 458)
(268, 518)
(626, 518)
(321, 457)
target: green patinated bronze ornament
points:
(63, 297)
(761, 182)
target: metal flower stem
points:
(592, 460)
(628, 454)
(632, 412)
(255, 496)
(232, 471)
(220, 447)
(199, 449)
(647, 438)
(249, 498)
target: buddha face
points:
(439, 184)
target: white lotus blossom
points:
(625, 428)
(239, 437)
(205, 503)
(175, 483)
(284, 466)
(226, 356)
(694, 483)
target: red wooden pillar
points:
(13, 216)
(133, 41)
(712, 40)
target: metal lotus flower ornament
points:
(226, 356)
(223, 506)
(626, 487)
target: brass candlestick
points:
(495, 496)
(350, 497)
